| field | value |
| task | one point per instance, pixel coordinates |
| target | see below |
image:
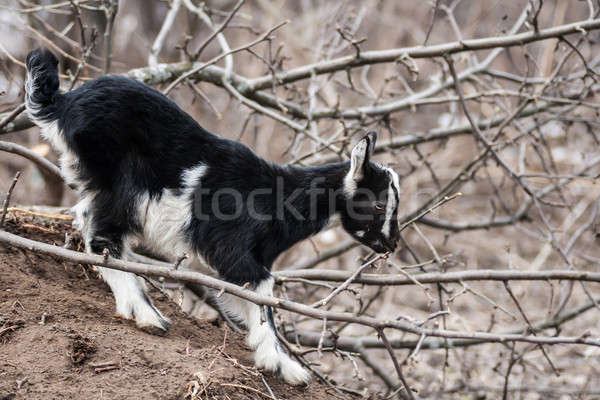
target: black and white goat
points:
(146, 171)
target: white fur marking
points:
(128, 289)
(355, 174)
(391, 203)
(82, 213)
(349, 184)
(165, 220)
(267, 353)
(191, 177)
(67, 160)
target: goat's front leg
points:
(128, 289)
(262, 337)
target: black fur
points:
(130, 141)
(43, 63)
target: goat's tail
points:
(42, 83)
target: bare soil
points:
(60, 340)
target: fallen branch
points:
(214, 283)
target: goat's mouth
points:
(380, 245)
(389, 244)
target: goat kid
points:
(146, 171)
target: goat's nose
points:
(391, 245)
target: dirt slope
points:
(59, 340)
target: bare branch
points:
(196, 277)
(435, 277)
(382, 56)
(162, 34)
(32, 156)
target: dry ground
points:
(59, 339)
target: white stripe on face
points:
(392, 202)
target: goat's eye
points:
(379, 206)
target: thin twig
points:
(7, 199)
(407, 391)
(162, 34)
(12, 115)
(220, 29)
(111, 7)
(348, 281)
(218, 58)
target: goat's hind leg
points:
(262, 337)
(210, 297)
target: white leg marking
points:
(129, 292)
(131, 299)
(145, 313)
(268, 355)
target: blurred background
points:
(528, 178)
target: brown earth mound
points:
(60, 340)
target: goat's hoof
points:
(276, 361)
(293, 373)
(155, 330)
(122, 317)
(158, 326)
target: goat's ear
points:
(361, 154)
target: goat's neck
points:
(316, 193)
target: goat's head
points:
(372, 195)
